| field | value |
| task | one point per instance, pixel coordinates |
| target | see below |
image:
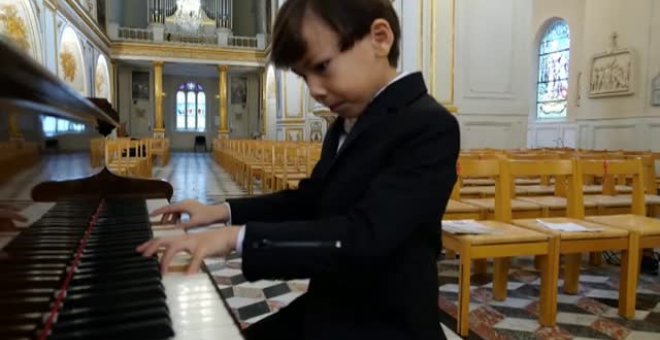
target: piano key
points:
(136, 329)
(153, 204)
(196, 309)
(33, 212)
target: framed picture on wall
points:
(239, 90)
(612, 74)
(140, 81)
(655, 91)
(294, 134)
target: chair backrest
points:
(563, 171)
(480, 168)
(200, 140)
(618, 167)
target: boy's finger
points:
(196, 262)
(141, 248)
(18, 217)
(169, 254)
(12, 215)
(153, 247)
(166, 209)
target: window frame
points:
(186, 89)
(547, 30)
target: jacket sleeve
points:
(410, 192)
(281, 206)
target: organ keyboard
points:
(112, 292)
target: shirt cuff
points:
(228, 222)
(239, 240)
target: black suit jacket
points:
(365, 226)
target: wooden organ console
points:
(71, 271)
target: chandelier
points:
(189, 15)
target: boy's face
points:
(344, 81)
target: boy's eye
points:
(321, 67)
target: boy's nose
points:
(316, 89)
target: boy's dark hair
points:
(350, 19)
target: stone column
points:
(262, 106)
(159, 130)
(223, 131)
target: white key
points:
(196, 308)
(153, 204)
(33, 213)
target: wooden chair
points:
(571, 244)
(507, 241)
(521, 208)
(644, 231)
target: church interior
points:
(551, 230)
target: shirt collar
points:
(350, 122)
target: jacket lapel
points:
(396, 96)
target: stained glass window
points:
(190, 107)
(552, 84)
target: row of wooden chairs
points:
(16, 156)
(126, 157)
(277, 165)
(538, 197)
(628, 233)
(155, 149)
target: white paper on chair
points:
(568, 227)
(466, 227)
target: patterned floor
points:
(588, 315)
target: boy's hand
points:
(218, 242)
(7, 218)
(200, 214)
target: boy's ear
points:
(382, 37)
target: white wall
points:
(624, 122)
(492, 72)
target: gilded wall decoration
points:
(99, 82)
(316, 132)
(294, 134)
(14, 27)
(71, 62)
(68, 63)
(102, 79)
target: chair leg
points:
(596, 259)
(480, 266)
(464, 294)
(572, 273)
(629, 277)
(549, 277)
(500, 277)
(537, 262)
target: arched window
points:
(190, 107)
(552, 83)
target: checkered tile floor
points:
(592, 314)
(589, 315)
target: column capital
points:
(223, 68)
(159, 63)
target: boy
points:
(364, 226)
